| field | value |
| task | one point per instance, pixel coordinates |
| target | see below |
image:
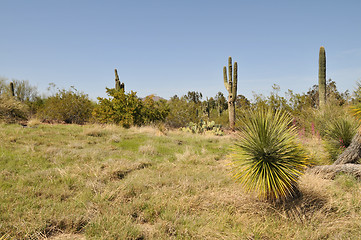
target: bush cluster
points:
(68, 106)
(126, 109)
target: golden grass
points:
(33, 122)
(61, 181)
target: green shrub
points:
(12, 110)
(339, 133)
(69, 106)
(182, 112)
(154, 111)
(266, 156)
(121, 108)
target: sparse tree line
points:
(21, 101)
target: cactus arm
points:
(230, 72)
(225, 78)
(116, 75)
(234, 85)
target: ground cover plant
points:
(107, 182)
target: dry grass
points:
(105, 182)
(315, 147)
(33, 122)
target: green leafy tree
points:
(194, 97)
(221, 102)
(154, 111)
(121, 108)
(181, 112)
(242, 102)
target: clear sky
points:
(169, 47)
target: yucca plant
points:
(339, 133)
(267, 157)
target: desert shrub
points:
(266, 156)
(182, 112)
(69, 106)
(339, 133)
(154, 111)
(121, 108)
(12, 110)
(315, 121)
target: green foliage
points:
(154, 111)
(315, 121)
(266, 156)
(121, 108)
(182, 112)
(69, 106)
(221, 103)
(339, 133)
(204, 127)
(357, 93)
(242, 102)
(193, 96)
(356, 111)
(274, 101)
(126, 109)
(12, 110)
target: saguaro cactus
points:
(12, 92)
(118, 84)
(322, 77)
(231, 86)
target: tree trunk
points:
(330, 171)
(232, 114)
(352, 154)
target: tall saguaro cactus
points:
(322, 77)
(231, 86)
(12, 92)
(118, 85)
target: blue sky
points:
(168, 47)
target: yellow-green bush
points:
(12, 110)
(69, 106)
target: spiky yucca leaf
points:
(356, 111)
(341, 130)
(339, 133)
(267, 157)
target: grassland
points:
(106, 182)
